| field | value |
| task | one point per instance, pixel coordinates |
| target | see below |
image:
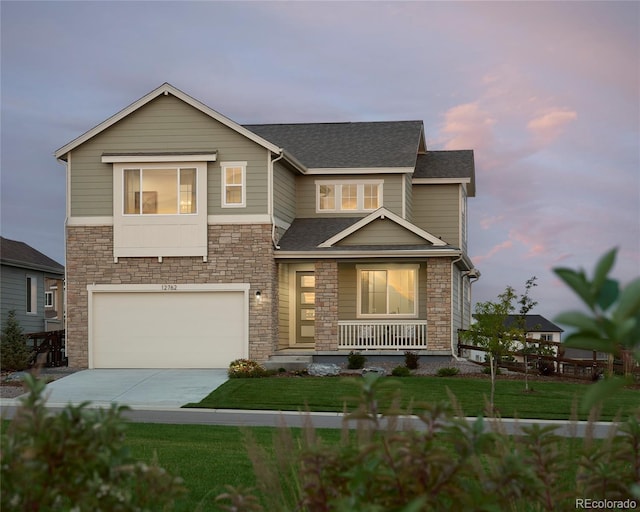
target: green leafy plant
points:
(14, 353)
(76, 460)
(411, 360)
(447, 372)
(401, 371)
(246, 369)
(355, 360)
(611, 323)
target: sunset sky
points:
(545, 93)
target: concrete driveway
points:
(137, 388)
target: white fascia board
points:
(382, 213)
(399, 253)
(439, 181)
(359, 170)
(255, 218)
(152, 158)
(165, 89)
(90, 221)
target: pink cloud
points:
(550, 125)
(468, 126)
(507, 244)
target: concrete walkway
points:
(137, 388)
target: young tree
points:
(489, 331)
(526, 305)
(14, 353)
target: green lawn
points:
(206, 457)
(548, 400)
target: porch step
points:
(288, 362)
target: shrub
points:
(411, 360)
(355, 360)
(447, 372)
(487, 370)
(14, 353)
(246, 369)
(76, 460)
(401, 371)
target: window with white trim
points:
(48, 299)
(388, 291)
(160, 190)
(348, 196)
(32, 294)
(233, 184)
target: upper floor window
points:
(348, 196)
(48, 299)
(32, 294)
(233, 184)
(160, 190)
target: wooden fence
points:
(559, 364)
(48, 348)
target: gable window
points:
(159, 190)
(233, 184)
(388, 291)
(348, 196)
(32, 294)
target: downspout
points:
(273, 217)
(453, 352)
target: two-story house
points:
(32, 285)
(193, 240)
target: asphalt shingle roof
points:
(347, 145)
(20, 254)
(534, 323)
(447, 164)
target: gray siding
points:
(284, 193)
(14, 297)
(164, 124)
(348, 289)
(306, 193)
(408, 198)
(383, 232)
(464, 219)
(436, 209)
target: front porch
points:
(382, 335)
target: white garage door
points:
(167, 329)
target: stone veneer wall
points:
(236, 254)
(439, 304)
(326, 305)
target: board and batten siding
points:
(436, 209)
(383, 232)
(165, 124)
(348, 290)
(306, 193)
(284, 193)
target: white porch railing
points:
(382, 334)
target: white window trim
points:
(338, 195)
(386, 267)
(223, 170)
(32, 306)
(49, 303)
(172, 166)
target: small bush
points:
(546, 368)
(355, 360)
(411, 360)
(401, 371)
(246, 369)
(14, 353)
(487, 370)
(447, 372)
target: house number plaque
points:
(169, 287)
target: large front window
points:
(348, 196)
(154, 191)
(387, 291)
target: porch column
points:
(439, 303)
(326, 328)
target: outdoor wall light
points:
(258, 295)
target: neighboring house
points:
(192, 240)
(537, 327)
(32, 285)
